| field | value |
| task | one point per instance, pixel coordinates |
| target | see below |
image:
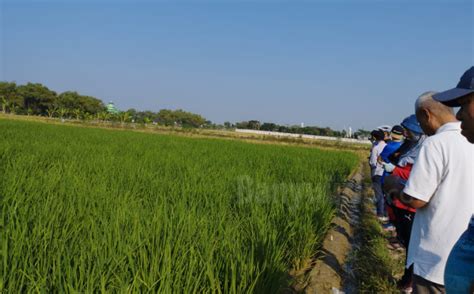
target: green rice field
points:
(94, 210)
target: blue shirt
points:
(389, 149)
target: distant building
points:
(111, 108)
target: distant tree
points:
(124, 117)
(179, 117)
(147, 120)
(14, 109)
(133, 113)
(62, 112)
(103, 116)
(268, 127)
(51, 112)
(9, 96)
(86, 116)
(242, 125)
(77, 112)
(37, 97)
(73, 100)
(4, 103)
(254, 124)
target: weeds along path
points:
(91, 210)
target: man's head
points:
(386, 130)
(397, 133)
(466, 116)
(412, 128)
(378, 135)
(463, 96)
(432, 114)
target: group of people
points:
(423, 179)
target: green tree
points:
(62, 112)
(268, 127)
(146, 120)
(179, 117)
(37, 97)
(4, 103)
(10, 97)
(104, 116)
(77, 112)
(51, 112)
(124, 117)
(73, 100)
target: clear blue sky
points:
(325, 63)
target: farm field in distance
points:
(94, 210)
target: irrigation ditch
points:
(354, 257)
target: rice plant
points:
(92, 210)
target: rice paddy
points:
(93, 210)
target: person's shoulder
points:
(432, 142)
(447, 140)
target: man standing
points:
(377, 172)
(459, 272)
(440, 186)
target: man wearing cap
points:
(396, 141)
(462, 96)
(459, 272)
(437, 189)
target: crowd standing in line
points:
(423, 179)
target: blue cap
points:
(412, 124)
(464, 87)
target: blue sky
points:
(325, 63)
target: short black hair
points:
(378, 135)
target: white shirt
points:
(377, 168)
(443, 176)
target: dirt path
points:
(331, 272)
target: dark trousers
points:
(403, 224)
(377, 186)
(423, 286)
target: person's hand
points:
(388, 167)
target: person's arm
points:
(411, 201)
(393, 188)
(387, 150)
(373, 156)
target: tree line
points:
(37, 99)
(295, 129)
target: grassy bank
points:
(374, 265)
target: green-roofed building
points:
(111, 108)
